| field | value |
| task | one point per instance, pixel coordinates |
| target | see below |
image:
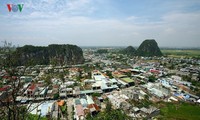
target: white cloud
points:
(77, 4)
(60, 21)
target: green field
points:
(181, 111)
(180, 53)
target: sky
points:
(172, 23)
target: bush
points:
(56, 96)
(152, 78)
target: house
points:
(89, 81)
(49, 94)
(132, 94)
(79, 112)
(124, 79)
(108, 85)
(89, 100)
(69, 91)
(43, 92)
(31, 90)
(125, 106)
(157, 90)
(150, 112)
(47, 108)
(4, 93)
(26, 79)
(4, 88)
(63, 92)
(154, 71)
(55, 89)
(115, 101)
(96, 85)
(76, 91)
(94, 109)
(83, 102)
(98, 76)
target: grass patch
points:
(181, 53)
(181, 111)
(63, 108)
(36, 117)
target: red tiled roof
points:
(79, 110)
(93, 106)
(14, 77)
(6, 77)
(4, 88)
(32, 87)
(96, 107)
(56, 86)
(154, 71)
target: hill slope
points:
(149, 47)
(53, 54)
(129, 51)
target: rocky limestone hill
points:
(53, 54)
(131, 51)
(149, 48)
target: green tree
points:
(128, 74)
(108, 106)
(109, 114)
(61, 76)
(55, 96)
(47, 80)
(10, 108)
(152, 78)
(109, 74)
(96, 94)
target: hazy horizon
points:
(172, 23)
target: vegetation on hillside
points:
(109, 114)
(53, 54)
(130, 51)
(180, 111)
(148, 48)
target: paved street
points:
(69, 108)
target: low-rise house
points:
(125, 106)
(98, 76)
(31, 90)
(125, 79)
(69, 83)
(96, 85)
(115, 101)
(157, 90)
(4, 93)
(132, 94)
(55, 89)
(89, 100)
(69, 91)
(94, 109)
(63, 92)
(26, 79)
(83, 102)
(48, 108)
(41, 92)
(150, 112)
(108, 85)
(89, 81)
(76, 91)
(49, 94)
(79, 112)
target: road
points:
(69, 108)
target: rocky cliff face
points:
(149, 48)
(53, 54)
